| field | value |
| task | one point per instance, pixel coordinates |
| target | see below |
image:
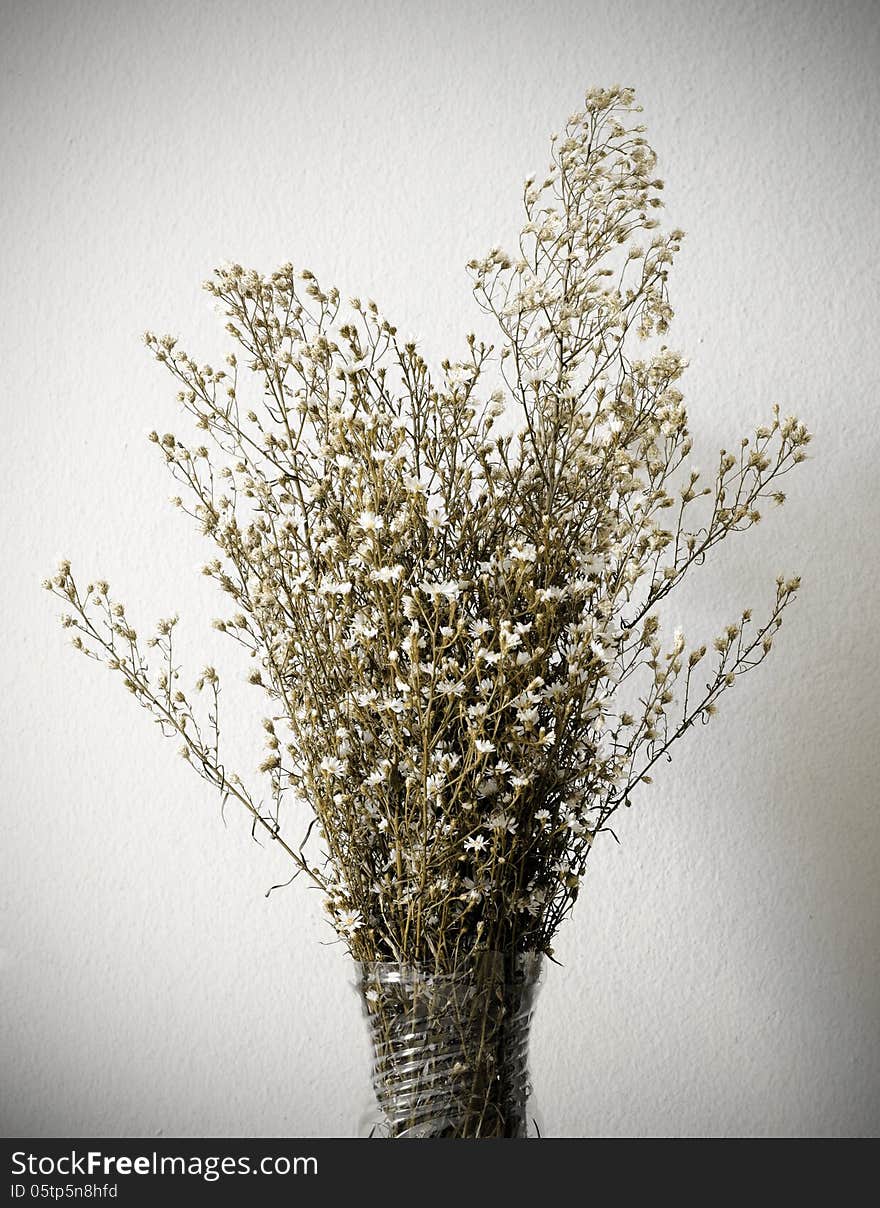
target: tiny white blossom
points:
(473, 892)
(415, 485)
(349, 921)
(386, 574)
(333, 766)
(369, 522)
(436, 517)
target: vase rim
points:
(532, 963)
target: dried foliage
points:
(452, 594)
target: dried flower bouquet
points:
(451, 584)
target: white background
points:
(720, 975)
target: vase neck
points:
(450, 1053)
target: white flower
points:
(476, 843)
(510, 640)
(332, 766)
(436, 517)
(543, 816)
(451, 688)
(523, 553)
(332, 587)
(349, 921)
(450, 588)
(386, 574)
(416, 486)
(369, 522)
(484, 747)
(503, 822)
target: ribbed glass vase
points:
(450, 1049)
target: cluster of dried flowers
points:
(451, 593)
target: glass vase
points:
(450, 1049)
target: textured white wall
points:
(721, 971)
